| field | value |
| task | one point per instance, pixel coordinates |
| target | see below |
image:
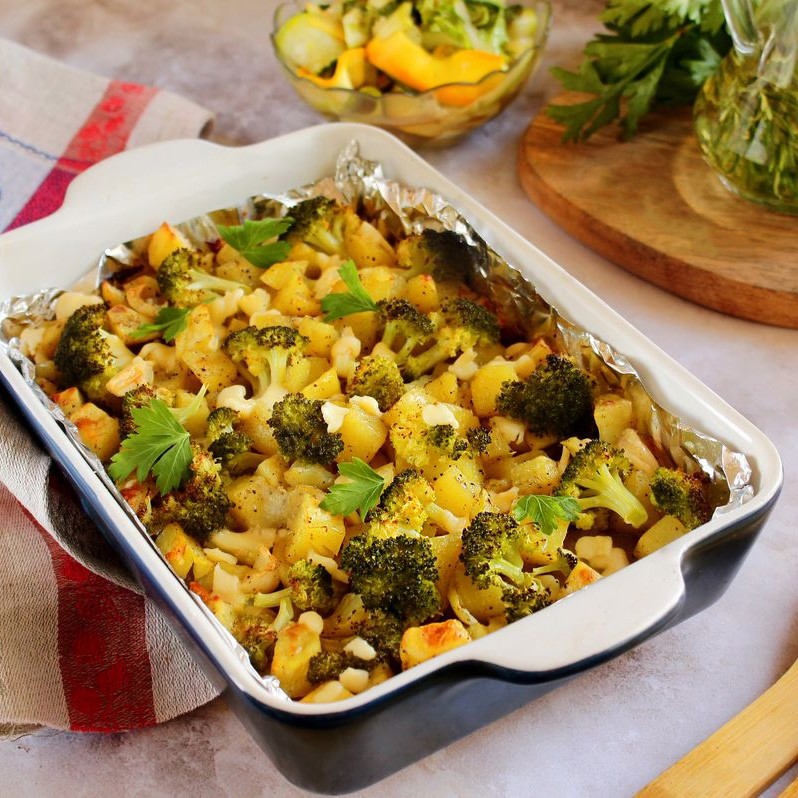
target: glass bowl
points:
(436, 117)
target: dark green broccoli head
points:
(556, 399)
(403, 503)
(478, 439)
(318, 222)
(491, 550)
(378, 377)
(563, 563)
(445, 439)
(183, 280)
(301, 431)
(133, 400)
(266, 352)
(394, 574)
(462, 325)
(311, 587)
(225, 442)
(87, 355)
(257, 636)
(406, 327)
(522, 600)
(594, 477)
(326, 666)
(444, 254)
(479, 322)
(200, 504)
(383, 631)
(683, 495)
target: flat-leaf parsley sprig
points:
(160, 445)
(657, 52)
(254, 239)
(169, 323)
(360, 493)
(546, 511)
(354, 300)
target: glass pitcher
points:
(746, 115)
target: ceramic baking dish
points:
(337, 748)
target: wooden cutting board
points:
(654, 207)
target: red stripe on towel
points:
(105, 132)
(102, 648)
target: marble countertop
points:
(608, 732)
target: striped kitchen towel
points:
(80, 647)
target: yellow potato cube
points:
(366, 245)
(486, 385)
(163, 242)
(295, 645)
(454, 492)
(658, 535)
(582, 576)
(98, 430)
(69, 400)
(420, 643)
(180, 549)
(309, 528)
(363, 435)
(324, 386)
(422, 291)
(444, 388)
(321, 336)
(482, 603)
(613, 414)
(446, 549)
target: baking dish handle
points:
(592, 625)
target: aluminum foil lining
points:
(410, 210)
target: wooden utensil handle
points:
(742, 757)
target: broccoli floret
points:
(491, 552)
(395, 574)
(378, 377)
(266, 353)
(201, 504)
(594, 477)
(327, 666)
(87, 355)
(556, 399)
(491, 557)
(403, 504)
(444, 438)
(406, 327)
(522, 600)
(443, 254)
(682, 495)
(224, 441)
(383, 631)
(132, 400)
(463, 325)
(301, 431)
(319, 222)
(478, 439)
(184, 282)
(310, 588)
(257, 636)
(563, 563)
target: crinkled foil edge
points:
(361, 181)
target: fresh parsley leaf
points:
(160, 446)
(355, 300)
(169, 323)
(546, 510)
(248, 238)
(655, 52)
(361, 493)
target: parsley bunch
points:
(656, 52)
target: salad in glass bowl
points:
(427, 70)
